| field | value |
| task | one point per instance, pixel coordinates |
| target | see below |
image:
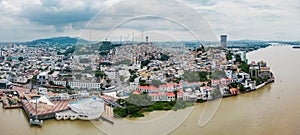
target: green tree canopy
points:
(20, 58)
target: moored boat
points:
(66, 116)
(58, 116)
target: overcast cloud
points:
(23, 20)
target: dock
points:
(45, 111)
(108, 114)
(6, 105)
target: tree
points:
(124, 62)
(68, 69)
(107, 85)
(164, 57)
(68, 87)
(84, 60)
(69, 51)
(88, 70)
(145, 63)
(156, 83)
(241, 87)
(244, 67)
(191, 76)
(51, 72)
(229, 56)
(218, 74)
(132, 71)
(119, 112)
(238, 58)
(34, 79)
(143, 83)
(203, 76)
(131, 109)
(9, 59)
(233, 85)
(20, 58)
(200, 48)
(132, 77)
(51, 83)
(216, 94)
(108, 80)
(138, 100)
(100, 74)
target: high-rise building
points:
(147, 39)
(224, 41)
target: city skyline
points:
(253, 20)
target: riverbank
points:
(136, 111)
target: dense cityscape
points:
(156, 67)
(127, 79)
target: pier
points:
(45, 111)
(108, 114)
(10, 99)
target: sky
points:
(160, 20)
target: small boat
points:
(58, 116)
(296, 47)
(36, 122)
(66, 116)
(73, 116)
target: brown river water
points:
(273, 109)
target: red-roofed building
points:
(170, 94)
(21, 91)
(180, 94)
(136, 92)
(169, 87)
(162, 96)
(227, 81)
(223, 81)
(148, 89)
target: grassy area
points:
(136, 105)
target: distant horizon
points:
(228, 40)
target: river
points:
(272, 109)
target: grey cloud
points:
(253, 19)
(153, 15)
(59, 14)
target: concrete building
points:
(85, 85)
(42, 77)
(206, 92)
(254, 71)
(224, 41)
(4, 83)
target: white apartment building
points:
(80, 85)
(85, 85)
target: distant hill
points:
(57, 41)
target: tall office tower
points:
(147, 39)
(224, 41)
